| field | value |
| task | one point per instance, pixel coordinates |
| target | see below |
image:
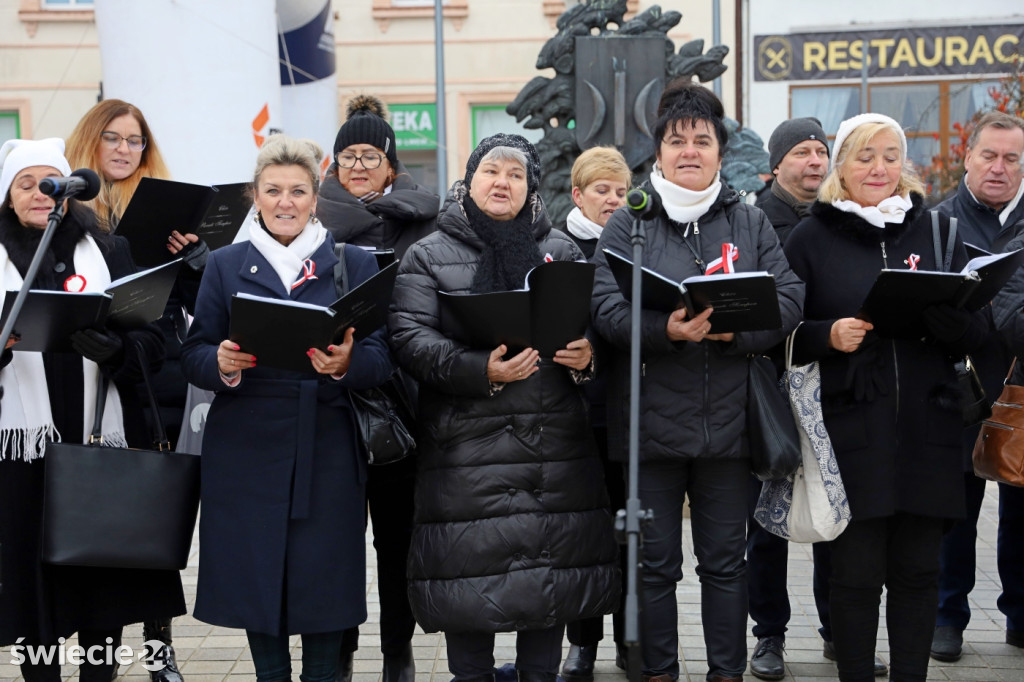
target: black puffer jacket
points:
(393, 221)
(512, 530)
(693, 395)
(891, 407)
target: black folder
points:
(48, 318)
(742, 301)
(546, 316)
(159, 207)
(895, 305)
(279, 332)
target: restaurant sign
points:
(917, 51)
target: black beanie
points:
(507, 140)
(367, 124)
(791, 133)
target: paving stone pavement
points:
(213, 654)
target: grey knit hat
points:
(789, 134)
(367, 124)
(507, 140)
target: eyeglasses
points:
(136, 143)
(370, 160)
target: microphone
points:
(643, 205)
(83, 183)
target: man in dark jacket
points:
(989, 211)
(798, 156)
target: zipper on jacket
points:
(696, 228)
(707, 398)
(892, 344)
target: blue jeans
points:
(958, 564)
(273, 661)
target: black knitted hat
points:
(367, 124)
(507, 140)
(791, 133)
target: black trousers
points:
(900, 553)
(590, 631)
(767, 557)
(389, 494)
(471, 654)
(718, 490)
(87, 672)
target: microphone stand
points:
(56, 215)
(633, 518)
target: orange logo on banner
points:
(259, 123)
(323, 166)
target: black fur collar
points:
(856, 228)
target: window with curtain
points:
(830, 105)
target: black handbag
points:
(773, 439)
(119, 507)
(974, 404)
(383, 413)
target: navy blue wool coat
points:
(283, 498)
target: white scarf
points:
(581, 226)
(891, 210)
(26, 421)
(681, 204)
(288, 261)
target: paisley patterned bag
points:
(811, 505)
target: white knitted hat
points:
(851, 124)
(17, 155)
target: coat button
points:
(60, 267)
(253, 269)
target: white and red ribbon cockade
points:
(75, 284)
(308, 268)
(912, 261)
(730, 254)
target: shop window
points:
(10, 125)
(490, 119)
(926, 110)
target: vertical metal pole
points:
(442, 117)
(716, 39)
(864, 78)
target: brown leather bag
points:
(999, 451)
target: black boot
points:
(400, 667)
(579, 663)
(159, 630)
(345, 666)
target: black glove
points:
(946, 323)
(195, 255)
(102, 347)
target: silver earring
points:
(313, 219)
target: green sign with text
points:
(415, 125)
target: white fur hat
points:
(851, 124)
(17, 155)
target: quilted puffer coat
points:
(512, 529)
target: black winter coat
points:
(42, 602)
(693, 395)
(512, 529)
(891, 407)
(979, 225)
(780, 214)
(395, 220)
